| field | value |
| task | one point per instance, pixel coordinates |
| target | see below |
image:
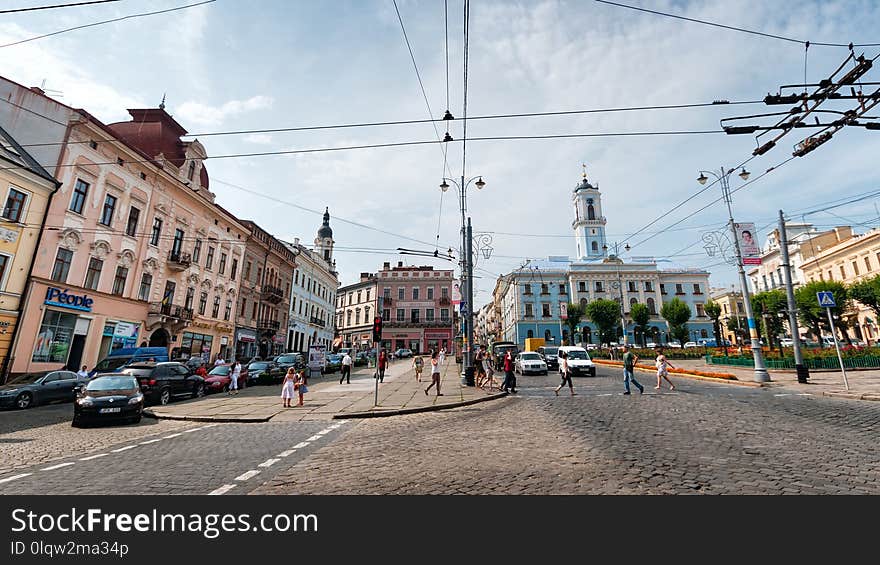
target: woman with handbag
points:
(300, 385)
(288, 387)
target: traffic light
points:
(377, 328)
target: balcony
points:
(422, 323)
(175, 317)
(179, 261)
(272, 294)
(268, 325)
(316, 322)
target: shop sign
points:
(278, 339)
(246, 336)
(57, 297)
(125, 329)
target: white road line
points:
(212, 425)
(248, 475)
(322, 432)
(193, 430)
(58, 466)
(784, 394)
(126, 448)
(149, 441)
(222, 490)
(13, 477)
(314, 438)
(90, 457)
(286, 453)
(171, 436)
(268, 462)
(301, 444)
(606, 394)
(804, 394)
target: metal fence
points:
(863, 362)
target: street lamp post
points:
(761, 374)
(619, 284)
(466, 274)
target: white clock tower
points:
(589, 223)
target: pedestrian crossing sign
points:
(826, 299)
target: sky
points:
(231, 65)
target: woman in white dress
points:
(663, 365)
(287, 387)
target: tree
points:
(766, 306)
(606, 315)
(641, 316)
(867, 292)
(713, 310)
(813, 315)
(677, 313)
(576, 313)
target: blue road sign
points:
(826, 299)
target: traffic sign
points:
(826, 299)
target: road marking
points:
(606, 394)
(268, 462)
(301, 444)
(783, 394)
(314, 438)
(126, 448)
(804, 394)
(248, 475)
(322, 432)
(286, 453)
(13, 477)
(222, 490)
(90, 457)
(171, 436)
(58, 466)
(212, 425)
(192, 430)
(149, 441)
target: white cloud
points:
(197, 113)
(258, 138)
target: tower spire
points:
(584, 167)
(162, 104)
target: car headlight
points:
(85, 401)
(136, 399)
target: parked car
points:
(650, 345)
(550, 355)
(403, 353)
(109, 397)
(287, 360)
(579, 362)
(362, 359)
(529, 362)
(591, 347)
(674, 344)
(220, 377)
(263, 372)
(499, 349)
(162, 382)
(123, 357)
(333, 363)
(51, 387)
(691, 344)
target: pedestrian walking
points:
(435, 373)
(418, 363)
(478, 366)
(299, 384)
(83, 373)
(288, 387)
(487, 368)
(566, 373)
(509, 383)
(629, 364)
(381, 364)
(234, 375)
(663, 365)
(346, 369)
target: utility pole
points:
(469, 313)
(802, 372)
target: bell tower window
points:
(192, 170)
(591, 210)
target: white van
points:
(579, 362)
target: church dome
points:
(584, 185)
(324, 231)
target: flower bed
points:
(676, 371)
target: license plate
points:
(109, 410)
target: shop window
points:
(53, 341)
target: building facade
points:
(416, 308)
(313, 298)
(264, 301)
(26, 189)
(733, 322)
(356, 306)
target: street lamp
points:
(467, 270)
(723, 177)
(619, 284)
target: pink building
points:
(416, 308)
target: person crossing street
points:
(630, 360)
(346, 369)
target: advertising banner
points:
(563, 310)
(748, 243)
(456, 292)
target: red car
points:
(220, 376)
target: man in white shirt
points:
(346, 369)
(219, 361)
(83, 373)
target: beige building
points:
(26, 189)
(356, 306)
(732, 313)
(851, 260)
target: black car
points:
(161, 382)
(550, 354)
(289, 360)
(263, 372)
(109, 398)
(57, 385)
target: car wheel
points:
(226, 388)
(164, 397)
(199, 391)
(76, 423)
(137, 419)
(24, 400)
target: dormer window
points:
(192, 170)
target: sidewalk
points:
(863, 385)
(400, 393)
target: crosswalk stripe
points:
(222, 490)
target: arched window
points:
(547, 336)
(591, 212)
(651, 307)
(632, 302)
(530, 334)
(595, 247)
(584, 302)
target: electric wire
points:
(35, 8)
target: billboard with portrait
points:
(748, 243)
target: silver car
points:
(529, 362)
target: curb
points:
(402, 411)
(160, 416)
(871, 396)
(699, 377)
